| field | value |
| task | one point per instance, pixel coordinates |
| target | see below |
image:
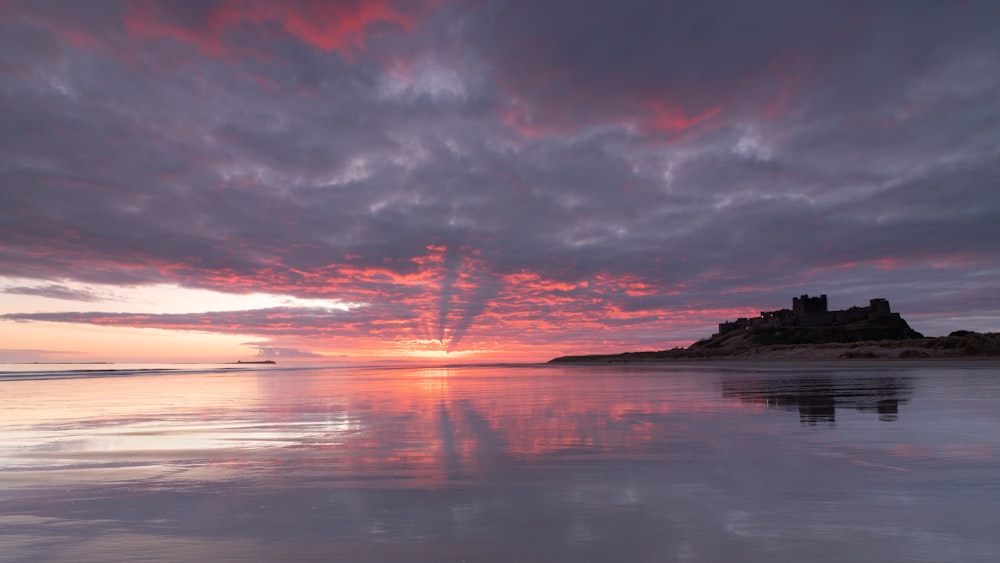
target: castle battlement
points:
(810, 312)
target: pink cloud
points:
(342, 26)
(672, 119)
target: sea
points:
(704, 462)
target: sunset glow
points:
(460, 182)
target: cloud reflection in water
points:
(497, 464)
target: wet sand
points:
(712, 461)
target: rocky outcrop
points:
(809, 331)
(891, 327)
(958, 345)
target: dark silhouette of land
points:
(809, 331)
(809, 322)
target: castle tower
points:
(806, 305)
(880, 307)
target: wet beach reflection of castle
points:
(817, 397)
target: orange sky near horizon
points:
(143, 337)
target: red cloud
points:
(672, 119)
(545, 118)
(341, 26)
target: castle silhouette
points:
(811, 312)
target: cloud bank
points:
(554, 177)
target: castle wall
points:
(806, 305)
(807, 312)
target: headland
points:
(809, 331)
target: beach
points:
(755, 461)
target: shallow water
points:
(530, 463)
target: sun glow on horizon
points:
(90, 343)
(41, 341)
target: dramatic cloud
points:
(545, 177)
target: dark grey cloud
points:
(277, 321)
(53, 291)
(659, 157)
(804, 58)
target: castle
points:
(809, 312)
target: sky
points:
(485, 180)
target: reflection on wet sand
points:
(492, 464)
(817, 397)
(443, 425)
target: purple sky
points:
(486, 178)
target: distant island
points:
(810, 331)
(256, 362)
